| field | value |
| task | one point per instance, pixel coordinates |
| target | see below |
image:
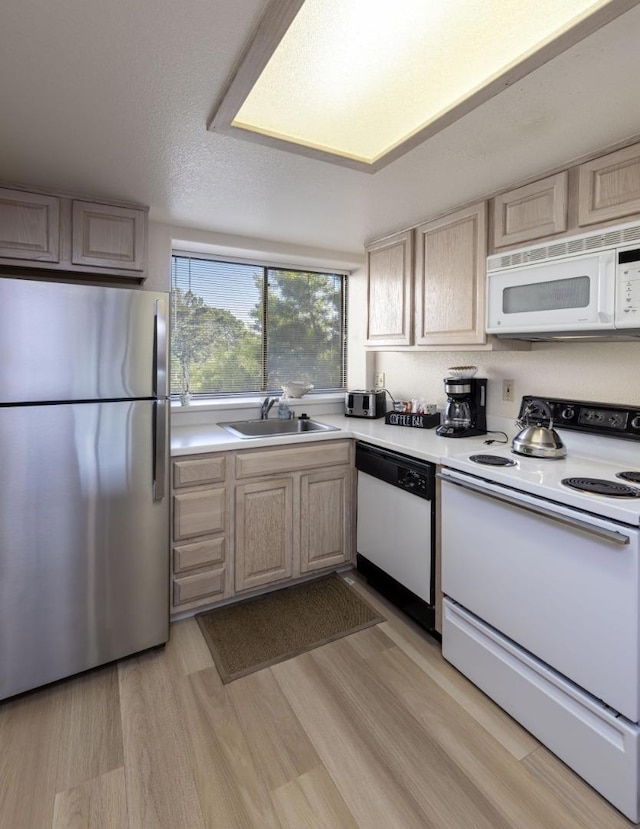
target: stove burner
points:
(492, 460)
(634, 477)
(598, 486)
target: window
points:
(240, 328)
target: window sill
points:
(248, 408)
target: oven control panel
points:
(589, 417)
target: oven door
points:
(569, 295)
(561, 583)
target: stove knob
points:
(568, 413)
(635, 423)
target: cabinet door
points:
(108, 237)
(264, 532)
(29, 226)
(451, 257)
(609, 187)
(530, 212)
(389, 300)
(325, 519)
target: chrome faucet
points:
(265, 407)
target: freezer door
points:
(84, 558)
(79, 342)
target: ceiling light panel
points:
(361, 82)
(358, 77)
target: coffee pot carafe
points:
(457, 413)
(465, 412)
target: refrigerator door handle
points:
(160, 342)
(160, 404)
(159, 449)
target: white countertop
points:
(418, 443)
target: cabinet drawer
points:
(291, 459)
(198, 513)
(189, 588)
(198, 554)
(205, 470)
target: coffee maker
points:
(465, 412)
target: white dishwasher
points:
(396, 529)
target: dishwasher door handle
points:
(567, 520)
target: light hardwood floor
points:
(374, 731)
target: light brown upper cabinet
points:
(450, 271)
(530, 212)
(108, 236)
(29, 226)
(389, 290)
(609, 186)
(57, 232)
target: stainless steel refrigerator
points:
(84, 517)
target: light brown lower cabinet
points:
(325, 518)
(264, 532)
(296, 522)
(200, 523)
(248, 519)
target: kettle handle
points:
(540, 406)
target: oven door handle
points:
(601, 532)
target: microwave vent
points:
(632, 234)
(573, 246)
(560, 248)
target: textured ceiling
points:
(112, 100)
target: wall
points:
(606, 372)
(603, 372)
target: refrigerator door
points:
(65, 342)
(84, 549)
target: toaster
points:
(365, 403)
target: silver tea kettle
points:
(535, 439)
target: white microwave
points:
(586, 285)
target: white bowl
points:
(296, 388)
(462, 372)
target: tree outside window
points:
(247, 328)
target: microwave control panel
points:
(627, 312)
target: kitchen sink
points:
(275, 428)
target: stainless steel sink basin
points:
(275, 428)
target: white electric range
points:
(542, 589)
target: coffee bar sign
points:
(417, 421)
